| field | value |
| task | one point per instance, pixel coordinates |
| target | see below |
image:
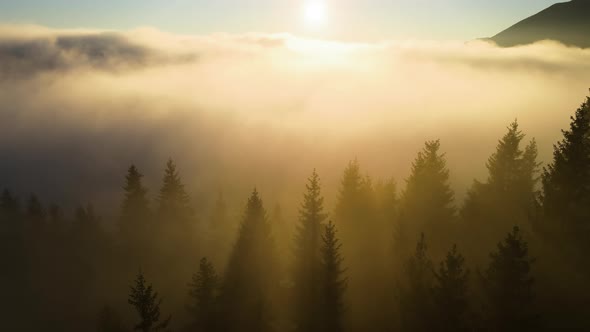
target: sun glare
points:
(315, 13)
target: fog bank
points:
(237, 111)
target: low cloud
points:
(38, 51)
(23, 58)
(242, 110)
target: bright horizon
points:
(350, 20)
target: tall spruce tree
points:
(451, 304)
(416, 310)
(348, 208)
(507, 198)
(250, 277)
(566, 183)
(387, 201)
(427, 201)
(178, 242)
(355, 213)
(504, 165)
(147, 303)
(173, 201)
(204, 290)
(135, 212)
(333, 282)
(564, 224)
(362, 228)
(307, 267)
(508, 286)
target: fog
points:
(238, 111)
(212, 120)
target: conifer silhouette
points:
(509, 285)
(147, 304)
(334, 283)
(308, 261)
(203, 291)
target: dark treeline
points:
(511, 257)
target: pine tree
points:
(356, 199)
(177, 225)
(307, 257)
(387, 201)
(348, 210)
(174, 202)
(333, 283)
(450, 293)
(503, 165)
(361, 227)
(427, 201)
(508, 285)
(147, 304)
(529, 170)
(249, 280)
(416, 303)
(508, 197)
(566, 183)
(356, 210)
(135, 212)
(428, 185)
(203, 293)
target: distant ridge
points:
(567, 22)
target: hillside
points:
(568, 23)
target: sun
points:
(315, 13)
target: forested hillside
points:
(389, 255)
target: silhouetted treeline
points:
(386, 257)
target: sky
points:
(359, 20)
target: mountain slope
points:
(568, 23)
